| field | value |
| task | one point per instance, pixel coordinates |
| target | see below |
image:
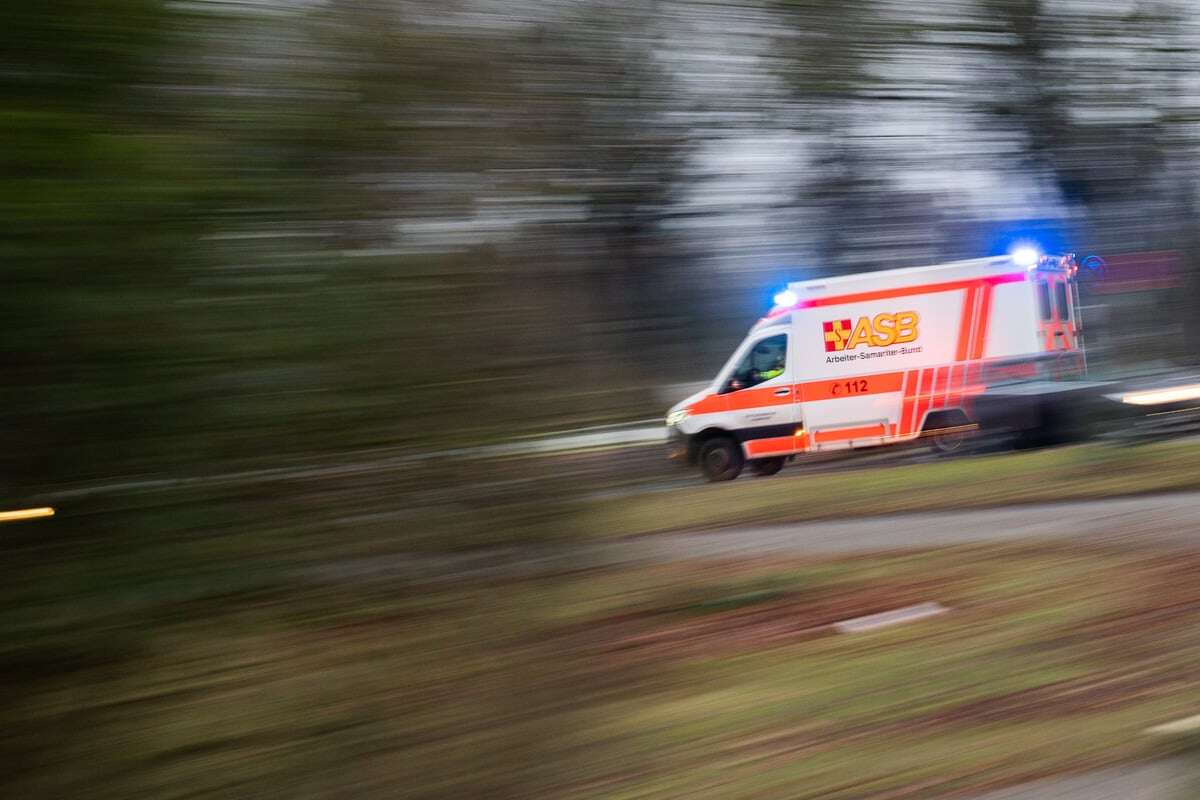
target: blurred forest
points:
(251, 231)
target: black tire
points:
(721, 459)
(949, 444)
(957, 434)
(766, 467)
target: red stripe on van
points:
(923, 398)
(981, 330)
(966, 324)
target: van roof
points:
(836, 285)
(915, 276)
(969, 268)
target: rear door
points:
(1056, 311)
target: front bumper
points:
(677, 446)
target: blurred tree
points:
(835, 57)
(101, 192)
(1100, 97)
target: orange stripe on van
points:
(941, 381)
(910, 392)
(924, 389)
(876, 431)
(711, 404)
(981, 330)
(854, 386)
(910, 407)
(777, 446)
(923, 398)
(759, 398)
(958, 378)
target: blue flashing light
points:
(786, 298)
(1026, 255)
(1046, 235)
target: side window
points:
(765, 360)
(1044, 300)
(1060, 298)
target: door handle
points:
(781, 392)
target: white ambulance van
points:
(881, 358)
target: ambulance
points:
(882, 358)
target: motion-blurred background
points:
(241, 229)
(274, 269)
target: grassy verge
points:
(680, 681)
(1086, 472)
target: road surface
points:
(1172, 519)
(1173, 779)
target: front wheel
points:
(721, 459)
(766, 467)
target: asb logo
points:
(882, 330)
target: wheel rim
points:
(949, 442)
(717, 461)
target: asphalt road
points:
(1169, 519)
(1173, 779)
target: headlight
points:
(676, 417)
(1154, 397)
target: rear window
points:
(1060, 297)
(1044, 299)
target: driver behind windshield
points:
(766, 361)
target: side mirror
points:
(734, 385)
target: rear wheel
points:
(948, 444)
(721, 459)
(948, 432)
(765, 467)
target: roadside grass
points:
(159, 644)
(1089, 471)
(687, 680)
